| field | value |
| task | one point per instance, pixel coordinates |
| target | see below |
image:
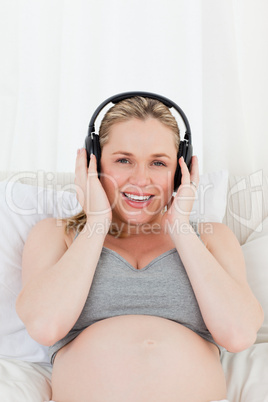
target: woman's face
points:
(138, 164)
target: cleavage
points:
(139, 254)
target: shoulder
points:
(45, 244)
(50, 229)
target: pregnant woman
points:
(135, 302)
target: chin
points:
(143, 219)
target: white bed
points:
(26, 197)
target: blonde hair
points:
(137, 107)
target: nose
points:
(140, 176)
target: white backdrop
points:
(235, 85)
(61, 58)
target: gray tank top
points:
(161, 288)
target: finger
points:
(81, 164)
(194, 174)
(185, 174)
(92, 168)
(80, 175)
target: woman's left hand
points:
(181, 206)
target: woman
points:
(134, 305)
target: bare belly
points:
(138, 358)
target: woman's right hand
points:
(90, 192)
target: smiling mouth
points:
(137, 198)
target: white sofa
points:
(26, 197)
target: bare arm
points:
(218, 276)
(57, 279)
(216, 271)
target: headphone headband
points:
(126, 95)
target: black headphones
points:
(92, 143)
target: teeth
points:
(137, 197)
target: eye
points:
(122, 160)
(159, 163)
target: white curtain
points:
(235, 85)
(60, 59)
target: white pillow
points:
(210, 204)
(21, 207)
(24, 381)
(255, 252)
(246, 374)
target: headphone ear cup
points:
(92, 146)
(188, 156)
(185, 150)
(177, 177)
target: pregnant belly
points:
(138, 358)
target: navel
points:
(149, 342)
